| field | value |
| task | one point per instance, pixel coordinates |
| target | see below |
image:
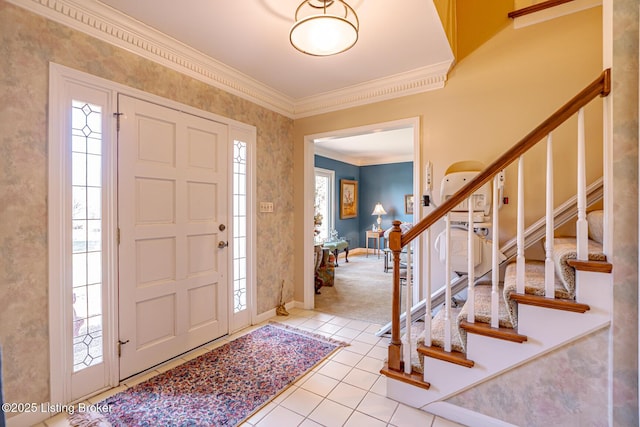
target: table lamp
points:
(379, 210)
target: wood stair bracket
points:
(453, 357)
(508, 334)
(555, 303)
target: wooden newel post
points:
(395, 347)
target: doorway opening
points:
(318, 144)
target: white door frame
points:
(59, 306)
(309, 182)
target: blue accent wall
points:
(387, 184)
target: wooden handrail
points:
(536, 8)
(601, 86)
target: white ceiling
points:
(397, 38)
(371, 148)
(242, 46)
(252, 37)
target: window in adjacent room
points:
(323, 216)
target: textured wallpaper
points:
(28, 43)
(567, 387)
(625, 204)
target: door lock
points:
(222, 227)
(222, 244)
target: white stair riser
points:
(548, 327)
(595, 289)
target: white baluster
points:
(581, 224)
(495, 277)
(447, 279)
(427, 291)
(471, 298)
(549, 268)
(408, 304)
(520, 259)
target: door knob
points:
(222, 244)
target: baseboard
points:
(355, 251)
(464, 416)
(263, 317)
(27, 419)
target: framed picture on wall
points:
(408, 204)
(348, 198)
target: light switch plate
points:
(266, 206)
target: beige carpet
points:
(362, 290)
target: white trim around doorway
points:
(309, 151)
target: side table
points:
(376, 236)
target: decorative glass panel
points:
(239, 226)
(86, 217)
(321, 214)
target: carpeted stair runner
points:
(438, 328)
(533, 285)
(417, 339)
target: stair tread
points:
(453, 356)
(591, 265)
(500, 332)
(414, 378)
(555, 303)
(534, 285)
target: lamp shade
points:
(378, 210)
(324, 27)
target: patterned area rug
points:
(220, 388)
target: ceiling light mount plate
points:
(324, 27)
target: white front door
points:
(172, 213)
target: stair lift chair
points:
(481, 201)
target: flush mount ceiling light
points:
(324, 27)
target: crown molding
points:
(420, 80)
(114, 27)
(111, 26)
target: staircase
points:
(536, 307)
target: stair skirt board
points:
(464, 416)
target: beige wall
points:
(493, 98)
(28, 44)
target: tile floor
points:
(345, 390)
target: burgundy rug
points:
(220, 388)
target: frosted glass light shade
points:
(324, 28)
